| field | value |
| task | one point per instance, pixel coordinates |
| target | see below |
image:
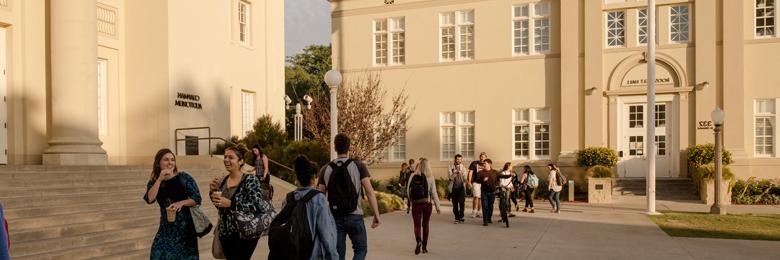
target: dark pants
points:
(529, 199)
(421, 214)
(458, 202)
(236, 248)
(351, 225)
(488, 198)
(555, 199)
(513, 196)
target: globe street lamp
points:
(333, 79)
(717, 206)
(298, 118)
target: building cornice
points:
(384, 8)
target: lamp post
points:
(333, 79)
(298, 118)
(717, 118)
(650, 139)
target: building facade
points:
(532, 81)
(111, 81)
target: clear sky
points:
(306, 22)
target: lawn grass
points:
(749, 227)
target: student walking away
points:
(341, 180)
(528, 183)
(422, 190)
(243, 213)
(457, 188)
(489, 180)
(261, 171)
(403, 179)
(476, 188)
(556, 180)
(305, 228)
(508, 175)
(175, 192)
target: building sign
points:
(637, 76)
(631, 82)
(187, 100)
(704, 125)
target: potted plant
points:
(599, 162)
(701, 169)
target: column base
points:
(74, 151)
(71, 159)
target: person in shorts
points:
(476, 191)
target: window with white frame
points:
(392, 29)
(102, 78)
(643, 27)
(616, 29)
(765, 18)
(457, 134)
(244, 20)
(679, 23)
(397, 152)
(531, 134)
(524, 16)
(456, 30)
(247, 111)
(764, 118)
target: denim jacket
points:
(321, 224)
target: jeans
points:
(421, 214)
(351, 225)
(236, 248)
(529, 199)
(555, 199)
(488, 197)
(458, 203)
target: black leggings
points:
(529, 200)
(513, 196)
(236, 248)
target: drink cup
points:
(171, 214)
(217, 194)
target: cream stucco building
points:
(533, 81)
(110, 81)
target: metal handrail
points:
(176, 148)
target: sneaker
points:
(558, 211)
(511, 215)
(526, 210)
(462, 220)
(456, 221)
(479, 215)
(473, 214)
(531, 211)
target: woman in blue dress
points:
(175, 191)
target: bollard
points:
(571, 190)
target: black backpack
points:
(418, 188)
(289, 236)
(342, 194)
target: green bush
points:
(376, 185)
(593, 156)
(385, 202)
(707, 172)
(393, 186)
(599, 171)
(441, 187)
(756, 191)
(702, 154)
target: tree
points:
(373, 123)
(304, 75)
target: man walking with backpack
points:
(342, 180)
(457, 187)
(305, 228)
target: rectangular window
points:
(457, 35)
(393, 29)
(765, 18)
(679, 23)
(542, 27)
(397, 152)
(764, 120)
(616, 25)
(102, 78)
(531, 130)
(660, 115)
(244, 21)
(660, 144)
(636, 116)
(457, 134)
(520, 31)
(247, 111)
(538, 16)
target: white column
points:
(650, 147)
(73, 135)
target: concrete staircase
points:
(91, 212)
(666, 188)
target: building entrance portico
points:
(632, 136)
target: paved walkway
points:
(583, 231)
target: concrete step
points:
(54, 191)
(64, 243)
(93, 252)
(14, 213)
(80, 229)
(21, 224)
(42, 201)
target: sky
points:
(306, 22)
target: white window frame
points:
(686, 24)
(102, 102)
(461, 122)
(534, 42)
(397, 152)
(773, 119)
(394, 34)
(646, 28)
(532, 119)
(247, 111)
(244, 19)
(458, 24)
(608, 30)
(773, 18)
(448, 53)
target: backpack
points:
(533, 181)
(290, 235)
(560, 179)
(342, 194)
(418, 188)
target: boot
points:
(417, 248)
(425, 246)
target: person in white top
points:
(507, 182)
(554, 187)
(422, 190)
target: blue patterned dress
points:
(175, 240)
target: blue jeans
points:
(353, 226)
(488, 197)
(555, 199)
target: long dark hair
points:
(528, 170)
(259, 149)
(506, 166)
(156, 169)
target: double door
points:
(632, 151)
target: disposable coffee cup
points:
(217, 194)
(171, 215)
